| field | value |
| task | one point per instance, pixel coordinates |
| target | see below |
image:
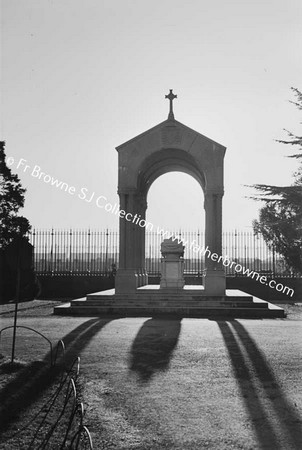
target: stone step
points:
(190, 303)
(168, 312)
(151, 298)
(168, 304)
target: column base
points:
(126, 280)
(164, 284)
(214, 282)
(144, 277)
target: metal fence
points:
(75, 251)
(95, 252)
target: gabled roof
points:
(160, 126)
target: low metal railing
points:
(75, 434)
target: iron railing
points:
(61, 417)
(95, 252)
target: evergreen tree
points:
(11, 200)
(280, 220)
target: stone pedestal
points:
(214, 282)
(126, 281)
(172, 265)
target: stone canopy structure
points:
(169, 146)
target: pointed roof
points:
(167, 124)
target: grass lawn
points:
(152, 383)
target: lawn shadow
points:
(153, 346)
(37, 376)
(251, 371)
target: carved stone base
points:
(214, 282)
(172, 274)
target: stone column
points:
(140, 239)
(126, 279)
(214, 273)
(122, 233)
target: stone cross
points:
(171, 97)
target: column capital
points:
(214, 192)
(211, 197)
(126, 191)
(141, 201)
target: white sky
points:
(80, 77)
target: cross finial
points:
(171, 97)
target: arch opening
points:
(168, 160)
(175, 207)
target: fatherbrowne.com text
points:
(227, 262)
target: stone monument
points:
(169, 146)
(172, 264)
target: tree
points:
(280, 220)
(11, 200)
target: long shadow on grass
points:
(153, 346)
(257, 381)
(32, 380)
(288, 417)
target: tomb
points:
(169, 146)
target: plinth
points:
(172, 265)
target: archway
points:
(174, 201)
(169, 146)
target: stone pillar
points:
(139, 238)
(141, 234)
(131, 273)
(126, 279)
(122, 233)
(214, 273)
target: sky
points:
(80, 77)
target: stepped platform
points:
(189, 302)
